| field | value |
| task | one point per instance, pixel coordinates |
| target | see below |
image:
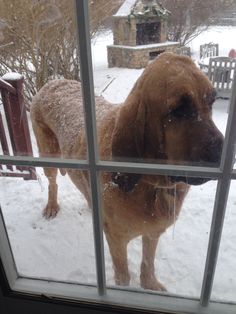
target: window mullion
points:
(43, 162)
(227, 161)
(90, 123)
(110, 166)
(160, 169)
(6, 255)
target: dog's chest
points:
(146, 207)
(168, 202)
(161, 209)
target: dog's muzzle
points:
(208, 156)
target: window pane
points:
(57, 248)
(225, 283)
(38, 42)
(160, 114)
(149, 209)
(163, 117)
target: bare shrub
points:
(38, 38)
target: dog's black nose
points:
(211, 152)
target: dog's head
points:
(167, 117)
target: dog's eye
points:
(183, 111)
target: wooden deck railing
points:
(11, 87)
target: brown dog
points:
(166, 117)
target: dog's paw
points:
(122, 280)
(154, 285)
(50, 211)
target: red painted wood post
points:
(16, 116)
(4, 144)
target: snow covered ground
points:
(62, 248)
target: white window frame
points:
(97, 298)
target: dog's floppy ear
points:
(128, 134)
(128, 139)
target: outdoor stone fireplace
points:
(139, 34)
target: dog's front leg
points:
(52, 207)
(147, 277)
(118, 250)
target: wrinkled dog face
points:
(196, 139)
(191, 136)
(186, 132)
(170, 118)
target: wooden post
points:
(16, 116)
(3, 140)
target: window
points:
(98, 296)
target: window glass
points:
(49, 245)
(160, 114)
(152, 106)
(156, 213)
(225, 284)
(38, 43)
(176, 100)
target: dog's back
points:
(58, 122)
(58, 109)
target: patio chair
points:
(183, 50)
(209, 50)
(221, 72)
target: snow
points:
(220, 34)
(62, 248)
(126, 7)
(12, 76)
(139, 47)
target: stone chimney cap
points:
(142, 7)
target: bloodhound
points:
(167, 117)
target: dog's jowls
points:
(166, 118)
